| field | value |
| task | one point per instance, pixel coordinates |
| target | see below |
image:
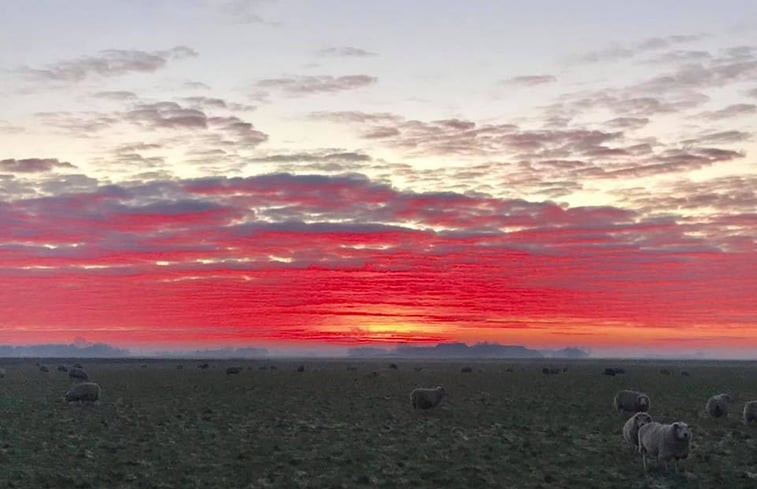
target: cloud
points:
(33, 165)
(116, 95)
(167, 115)
(617, 52)
(735, 110)
(305, 85)
(346, 52)
(108, 63)
(315, 254)
(530, 80)
(313, 157)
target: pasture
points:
(348, 423)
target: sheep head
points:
(681, 431)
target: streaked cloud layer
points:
(257, 179)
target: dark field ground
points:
(334, 426)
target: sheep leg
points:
(644, 461)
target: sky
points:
(209, 173)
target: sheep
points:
(717, 406)
(78, 374)
(203, 366)
(631, 428)
(233, 370)
(301, 368)
(426, 398)
(628, 401)
(393, 366)
(664, 442)
(664, 371)
(62, 368)
(750, 412)
(84, 392)
(466, 370)
(610, 372)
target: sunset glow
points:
(232, 173)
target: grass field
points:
(338, 425)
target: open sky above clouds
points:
(270, 172)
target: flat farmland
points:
(348, 423)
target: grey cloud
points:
(108, 63)
(617, 52)
(313, 157)
(33, 165)
(304, 85)
(735, 110)
(346, 52)
(530, 80)
(628, 122)
(117, 95)
(167, 115)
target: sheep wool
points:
(426, 398)
(78, 374)
(628, 402)
(717, 406)
(664, 442)
(750, 412)
(631, 428)
(83, 392)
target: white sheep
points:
(664, 442)
(750, 412)
(83, 392)
(628, 402)
(426, 398)
(631, 428)
(717, 406)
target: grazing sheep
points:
(554, 371)
(426, 398)
(508, 369)
(203, 366)
(466, 370)
(750, 412)
(631, 428)
(393, 366)
(545, 371)
(628, 401)
(717, 406)
(233, 370)
(301, 368)
(43, 368)
(564, 369)
(78, 374)
(664, 442)
(84, 392)
(62, 368)
(610, 371)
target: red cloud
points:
(347, 260)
